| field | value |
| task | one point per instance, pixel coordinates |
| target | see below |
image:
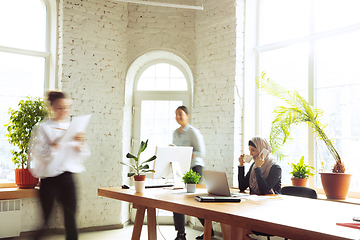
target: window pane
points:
(334, 14)
(162, 77)
(23, 22)
(157, 123)
(162, 70)
(20, 76)
(288, 67)
(283, 20)
(178, 84)
(338, 89)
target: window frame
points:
(253, 51)
(50, 53)
(140, 95)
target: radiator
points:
(10, 218)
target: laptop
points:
(218, 188)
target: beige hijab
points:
(261, 143)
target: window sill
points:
(14, 193)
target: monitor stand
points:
(178, 182)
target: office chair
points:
(293, 191)
(299, 192)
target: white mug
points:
(248, 158)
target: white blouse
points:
(48, 161)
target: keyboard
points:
(159, 186)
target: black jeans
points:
(60, 188)
(179, 219)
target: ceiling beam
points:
(159, 4)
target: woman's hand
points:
(80, 137)
(242, 160)
(259, 161)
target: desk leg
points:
(151, 223)
(207, 229)
(225, 229)
(139, 220)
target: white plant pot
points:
(190, 187)
(139, 186)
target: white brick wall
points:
(98, 41)
(93, 72)
(216, 102)
(162, 28)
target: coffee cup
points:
(248, 158)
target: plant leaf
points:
(143, 146)
(129, 155)
(150, 159)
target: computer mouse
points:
(125, 186)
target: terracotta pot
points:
(139, 177)
(301, 182)
(336, 185)
(139, 183)
(24, 179)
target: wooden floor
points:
(168, 232)
(164, 232)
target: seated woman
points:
(263, 177)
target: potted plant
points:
(300, 172)
(139, 168)
(31, 111)
(191, 178)
(300, 111)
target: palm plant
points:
(298, 111)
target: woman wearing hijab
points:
(263, 177)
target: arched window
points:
(25, 62)
(162, 77)
(160, 87)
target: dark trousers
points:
(179, 219)
(60, 188)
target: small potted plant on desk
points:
(139, 168)
(191, 178)
(31, 111)
(301, 172)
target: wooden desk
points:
(290, 217)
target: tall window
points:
(24, 63)
(160, 89)
(312, 46)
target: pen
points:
(60, 129)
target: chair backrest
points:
(299, 191)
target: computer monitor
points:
(172, 159)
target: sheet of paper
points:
(77, 125)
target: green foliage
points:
(30, 112)
(300, 170)
(286, 117)
(137, 167)
(191, 177)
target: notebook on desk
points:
(218, 188)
